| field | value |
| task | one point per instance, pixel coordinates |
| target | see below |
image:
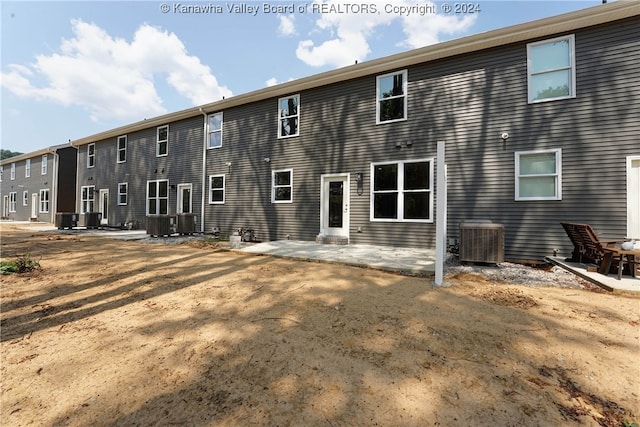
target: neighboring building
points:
(34, 186)
(541, 123)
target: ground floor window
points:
(282, 186)
(538, 175)
(216, 189)
(25, 198)
(44, 200)
(158, 197)
(402, 191)
(122, 193)
(12, 201)
(87, 198)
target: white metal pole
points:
(441, 213)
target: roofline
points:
(570, 21)
(31, 155)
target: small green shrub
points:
(22, 264)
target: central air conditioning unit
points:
(161, 225)
(186, 223)
(481, 241)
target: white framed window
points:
(391, 96)
(27, 168)
(12, 201)
(216, 189)
(214, 130)
(289, 116)
(122, 149)
(551, 69)
(123, 189)
(91, 155)
(43, 166)
(538, 175)
(158, 197)
(162, 141)
(402, 191)
(1, 172)
(25, 198)
(87, 198)
(282, 186)
(13, 171)
(44, 200)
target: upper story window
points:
(91, 155)
(402, 191)
(551, 69)
(122, 149)
(162, 141)
(282, 186)
(216, 189)
(13, 171)
(539, 175)
(214, 130)
(288, 116)
(43, 168)
(391, 92)
(27, 168)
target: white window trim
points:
(273, 185)
(13, 202)
(118, 149)
(401, 190)
(44, 204)
(157, 198)
(126, 193)
(91, 158)
(280, 117)
(558, 174)
(27, 168)
(13, 171)
(224, 190)
(92, 198)
(405, 96)
(25, 198)
(43, 167)
(158, 141)
(572, 67)
(209, 131)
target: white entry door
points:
(334, 205)
(184, 198)
(633, 197)
(5, 206)
(103, 205)
(34, 205)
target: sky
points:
(76, 68)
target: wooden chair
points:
(587, 247)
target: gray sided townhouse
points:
(36, 185)
(541, 124)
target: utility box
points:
(161, 225)
(90, 219)
(481, 241)
(66, 220)
(186, 223)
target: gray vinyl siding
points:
(466, 100)
(32, 184)
(596, 131)
(182, 165)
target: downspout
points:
(204, 167)
(54, 185)
(77, 199)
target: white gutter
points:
(54, 193)
(204, 167)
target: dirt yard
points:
(114, 333)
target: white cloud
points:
(112, 78)
(271, 82)
(287, 25)
(349, 26)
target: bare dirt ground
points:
(112, 333)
